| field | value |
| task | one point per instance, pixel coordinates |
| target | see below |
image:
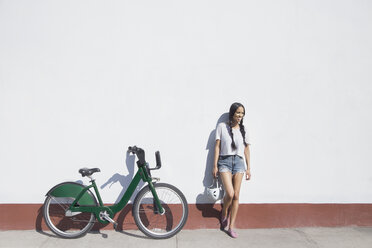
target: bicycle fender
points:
(72, 189)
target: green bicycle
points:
(160, 210)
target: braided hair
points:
(232, 111)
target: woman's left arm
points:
(247, 156)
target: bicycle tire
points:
(54, 210)
(150, 221)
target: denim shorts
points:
(232, 163)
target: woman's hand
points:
(215, 171)
(247, 174)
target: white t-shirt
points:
(222, 134)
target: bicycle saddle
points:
(88, 172)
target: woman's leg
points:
(226, 178)
(237, 182)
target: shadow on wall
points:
(124, 180)
(122, 215)
(203, 202)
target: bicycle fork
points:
(158, 208)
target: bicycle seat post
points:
(91, 179)
(94, 185)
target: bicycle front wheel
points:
(148, 218)
(73, 226)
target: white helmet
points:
(215, 191)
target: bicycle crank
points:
(105, 216)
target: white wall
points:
(82, 80)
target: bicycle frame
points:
(142, 174)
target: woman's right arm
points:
(216, 156)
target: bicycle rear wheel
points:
(74, 226)
(148, 218)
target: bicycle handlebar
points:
(133, 149)
(158, 161)
(141, 156)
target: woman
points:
(232, 144)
